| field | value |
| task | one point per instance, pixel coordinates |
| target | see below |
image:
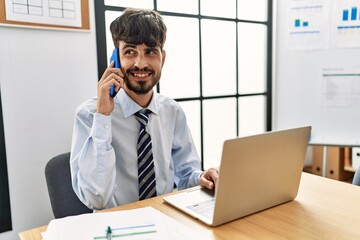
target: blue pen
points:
(108, 233)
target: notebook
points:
(256, 173)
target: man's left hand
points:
(209, 178)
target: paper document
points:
(143, 223)
(54, 12)
(346, 20)
(341, 86)
(308, 26)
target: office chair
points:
(356, 179)
(64, 201)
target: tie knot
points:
(143, 116)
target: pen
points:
(108, 233)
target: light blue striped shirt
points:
(104, 151)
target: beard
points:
(140, 87)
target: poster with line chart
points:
(347, 23)
(307, 24)
(53, 12)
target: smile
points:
(141, 75)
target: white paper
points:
(341, 86)
(308, 25)
(53, 12)
(143, 223)
(346, 29)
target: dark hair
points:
(138, 26)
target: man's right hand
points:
(111, 76)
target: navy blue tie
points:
(146, 170)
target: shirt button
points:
(106, 126)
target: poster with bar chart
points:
(307, 24)
(346, 25)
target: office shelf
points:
(338, 165)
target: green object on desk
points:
(108, 233)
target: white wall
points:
(44, 76)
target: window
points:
(218, 64)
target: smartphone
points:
(114, 57)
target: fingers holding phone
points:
(114, 89)
(110, 82)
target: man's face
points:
(141, 66)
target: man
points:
(105, 159)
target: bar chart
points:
(350, 17)
(353, 14)
(307, 24)
(305, 19)
(300, 23)
(346, 23)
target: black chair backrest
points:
(64, 201)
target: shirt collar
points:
(129, 107)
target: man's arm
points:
(92, 156)
(93, 160)
(186, 160)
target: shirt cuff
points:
(197, 179)
(101, 127)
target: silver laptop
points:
(256, 172)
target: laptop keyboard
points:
(205, 208)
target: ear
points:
(163, 57)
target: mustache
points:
(137, 69)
